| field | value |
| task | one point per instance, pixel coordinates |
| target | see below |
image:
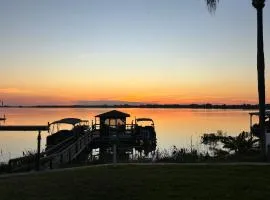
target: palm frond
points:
(212, 5)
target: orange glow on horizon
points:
(160, 93)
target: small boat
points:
(145, 129)
(78, 127)
(145, 134)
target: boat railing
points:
(95, 126)
(130, 126)
(57, 146)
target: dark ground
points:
(142, 182)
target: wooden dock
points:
(24, 128)
(29, 128)
(110, 134)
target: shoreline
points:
(152, 106)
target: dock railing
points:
(62, 153)
(68, 154)
(28, 161)
(127, 127)
(55, 156)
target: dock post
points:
(114, 154)
(114, 149)
(38, 151)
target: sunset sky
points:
(161, 51)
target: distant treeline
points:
(194, 106)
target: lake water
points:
(179, 127)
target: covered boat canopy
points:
(267, 113)
(114, 114)
(267, 116)
(144, 119)
(72, 121)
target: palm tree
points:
(220, 143)
(259, 5)
(241, 144)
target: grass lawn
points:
(142, 182)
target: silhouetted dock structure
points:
(24, 128)
(4, 117)
(108, 129)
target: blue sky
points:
(130, 50)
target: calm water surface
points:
(173, 126)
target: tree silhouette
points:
(242, 144)
(259, 5)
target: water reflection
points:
(173, 126)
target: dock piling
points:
(38, 150)
(114, 154)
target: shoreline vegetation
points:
(193, 106)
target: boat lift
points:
(267, 130)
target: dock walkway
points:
(63, 153)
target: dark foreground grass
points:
(142, 182)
